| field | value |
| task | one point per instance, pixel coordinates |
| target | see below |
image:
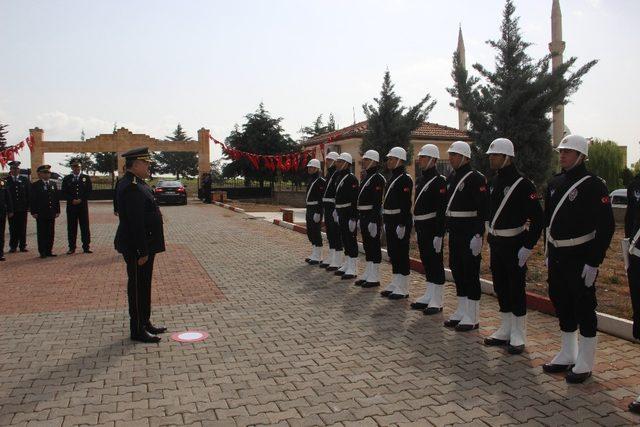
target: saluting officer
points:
(45, 208)
(370, 217)
(313, 201)
(76, 188)
(580, 226)
(467, 210)
(396, 212)
(140, 236)
(346, 215)
(334, 259)
(515, 227)
(6, 210)
(19, 190)
(429, 219)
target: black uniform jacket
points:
(398, 196)
(347, 193)
(371, 193)
(6, 204)
(330, 187)
(632, 215)
(19, 189)
(76, 189)
(315, 190)
(44, 199)
(432, 199)
(472, 195)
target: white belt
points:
(312, 203)
(344, 205)
(391, 211)
(507, 232)
(328, 200)
(425, 216)
(365, 208)
(565, 243)
(634, 251)
(462, 214)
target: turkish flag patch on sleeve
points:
(443, 190)
(406, 189)
(483, 188)
(605, 200)
(533, 196)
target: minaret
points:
(556, 47)
(462, 115)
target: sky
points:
(147, 65)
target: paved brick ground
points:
(289, 343)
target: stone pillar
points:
(556, 47)
(37, 154)
(204, 160)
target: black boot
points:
(552, 368)
(145, 337)
(573, 378)
(432, 310)
(495, 342)
(155, 330)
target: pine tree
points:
(515, 100)
(318, 128)
(331, 124)
(389, 124)
(177, 163)
(607, 161)
(3, 136)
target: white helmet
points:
(372, 155)
(460, 147)
(501, 146)
(332, 155)
(429, 150)
(398, 153)
(574, 142)
(346, 157)
(314, 163)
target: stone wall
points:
(294, 199)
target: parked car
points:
(619, 198)
(170, 192)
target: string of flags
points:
(9, 154)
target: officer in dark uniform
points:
(334, 259)
(515, 227)
(45, 208)
(19, 190)
(429, 219)
(6, 210)
(346, 215)
(396, 213)
(206, 188)
(313, 202)
(580, 225)
(467, 210)
(139, 238)
(370, 217)
(76, 188)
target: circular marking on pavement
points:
(189, 336)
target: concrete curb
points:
(231, 208)
(612, 325)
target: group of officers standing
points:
(577, 217)
(41, 198)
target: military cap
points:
(140, 153)
(44, 168)
(14, 163)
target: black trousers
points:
(139, 291)
(18, 230)
(45, 229)
(508, 277)
(3, 221)
(465, 267)
(633, 275)
(348, 238)
(433, 262)
(575, 304)
(372, 251)
(398, 249)
(314, 232)
(78, 214)
(332, 227)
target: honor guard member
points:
(313, 201)
(334, 259)
(429, 219)
(466, 212)
(370, 218)
(76, 188)
(515, 227)
(346, 214)
(580, 226)
(631, 254)
(19, 187)
(45, 208)
(140, 236)
(6, 210)
(396, 212)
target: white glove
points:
(523, 256)
(476, 245)
(316, 218)
(373, 229)
(358, 225)
(335, 215)
(437, 244)
(589, 274)
(400, 231)
(352, 225)
(546, 262)
(384, 229)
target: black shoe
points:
(323, 265)
(13, 250)
(155, 330)
(398, 296)
(515, 349)
(348, 277)
(634, 407)
(386, 293)
(2, 258)
(573, 378)
(314, 262)
(370, 284)
(307, 260)
(432, 310)
(332, 268)
(419, 305)
(339, 273)
(71, 251)
(551, 368)
(43, 256)
(495, 342)
(451, 323)
(87, 251)
(466, 328)
(359, 282)
(24, 250)
(146, 337)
